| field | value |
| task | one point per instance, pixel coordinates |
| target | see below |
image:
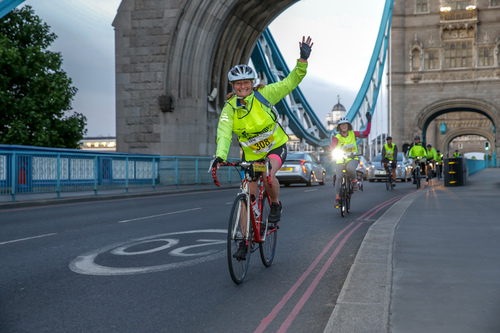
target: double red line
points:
(353, 226)
(377, 208)
(288, 321)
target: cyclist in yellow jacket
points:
(256, 124)
(431, 157)
(417, 152)
(439, 162)
(390, 155)
(345, 139)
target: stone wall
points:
(421, 94)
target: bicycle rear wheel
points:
(270, 230)
(237, 268)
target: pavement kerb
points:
(365, 299)
(102, 197)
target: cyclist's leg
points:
(351, 169)
(413, 172)
(338, 183)
(276, 157)
(386, 167)
(394, 165)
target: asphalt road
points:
(158, 264)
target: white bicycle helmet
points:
(241, 72)
(343, 120)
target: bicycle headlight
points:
(337, 154)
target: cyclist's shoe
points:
(427, 179)
(275, 214)
(337, 203)
(355, 185)
(241, 253)
(393, 183)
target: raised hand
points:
(305, 47)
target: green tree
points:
(35, 93)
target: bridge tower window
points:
(485, 55)
(421, 6)
(459, 4)
(431, 59)
(495, 3)
(458, 54)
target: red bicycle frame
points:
(260, 166)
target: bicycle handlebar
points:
(245, 165)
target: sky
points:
(343, 33)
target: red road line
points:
(300, 304)
(274, 312)
(377, 208)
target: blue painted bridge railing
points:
(30, 170)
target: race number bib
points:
(262, 144)
(349, 148)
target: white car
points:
(377, 171)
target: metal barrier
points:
(474, 166)
(29, 170)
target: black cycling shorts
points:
(278, 154)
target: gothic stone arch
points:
(460, 104)
(170, 56)
(467, 131)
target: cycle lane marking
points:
(85, 264)
(274, 312)
(27, 238)
(159, 215)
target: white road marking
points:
(85, 263)
(153, 216)
(312, 190)
(27, 238)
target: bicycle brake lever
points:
(211, 164)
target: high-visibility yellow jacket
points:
(347, 144)
(417, 151)
(431, 154)
(389, 152)
(254, 123)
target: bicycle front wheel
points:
(418, 177)
(238, 267)
(348, 194)
(388, 182)
(270, 231)
(343, 198)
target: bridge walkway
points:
(429, 264)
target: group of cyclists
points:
(249, 113)
(430, 159)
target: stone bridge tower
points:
(171, 58)
(445, 71)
